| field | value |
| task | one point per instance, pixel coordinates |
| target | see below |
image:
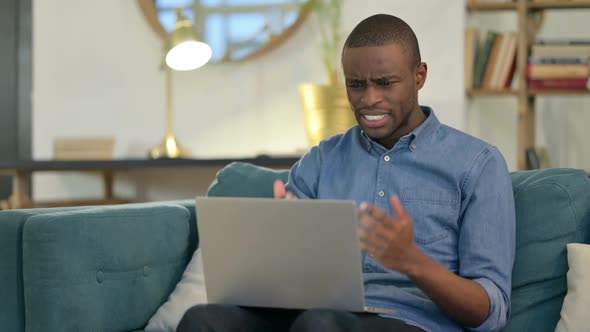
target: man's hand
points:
(280, 192)
(389, 240)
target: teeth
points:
(374, 117)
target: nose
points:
(371, 96)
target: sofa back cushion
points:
(193, 238)
(240, 179)
(12, 311)
(101, 269)
(552, 210)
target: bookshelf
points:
(525, 38)
(558, 92)
(491, 92)
(556, 4)
(490, 6)
(550, 4)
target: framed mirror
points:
(236, 30)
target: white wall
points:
(96, 73)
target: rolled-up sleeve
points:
(487, 234)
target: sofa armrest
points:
(102, 269)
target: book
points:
(493, 63)
(563, 41)
(560, 51)
(471, 42)
(562, 61)
(540, 71)
(483, 58)
(507, 63)
(560, 83)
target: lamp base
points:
(169, 148)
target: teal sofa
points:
(109, 268)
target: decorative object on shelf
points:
(185, 52)
(83, 148)
(235, 30)
(326, 108)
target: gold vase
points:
(326, 110)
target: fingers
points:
(372, 227)
(280, 192)
(279, 189)
(375, 212)
(290, 195)
(398, 208)
(371, 243)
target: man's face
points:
(382, 84)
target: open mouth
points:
(374, 117)
(374, 120)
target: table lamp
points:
(185, 53)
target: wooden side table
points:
(22, 171)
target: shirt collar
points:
(415, 137)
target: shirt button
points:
(381, 194)
(413, 147)
(386, 158)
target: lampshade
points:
(186, 53)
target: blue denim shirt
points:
(456, 188)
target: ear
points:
(420, 75)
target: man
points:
(436, 209)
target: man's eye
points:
(386, 83)
(355, 85)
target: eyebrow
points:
(378, 79)
(385, 78)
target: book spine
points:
(563, 42)
(471, 38)
(505, 79)
(493, 62)
(483, 58)
(510, 76)
(559, 61)
(561, 51)
(541, 71)
(564, 83)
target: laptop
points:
(292, 254)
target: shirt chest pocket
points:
(435, 212)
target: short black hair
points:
(384, 29)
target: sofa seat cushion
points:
(552, 210)
(102, 269)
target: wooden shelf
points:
(556, 4)
(490, 92)
(491, 6)
(558, 92)
(548, 4)
(533, 92)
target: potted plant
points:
(326, 108)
